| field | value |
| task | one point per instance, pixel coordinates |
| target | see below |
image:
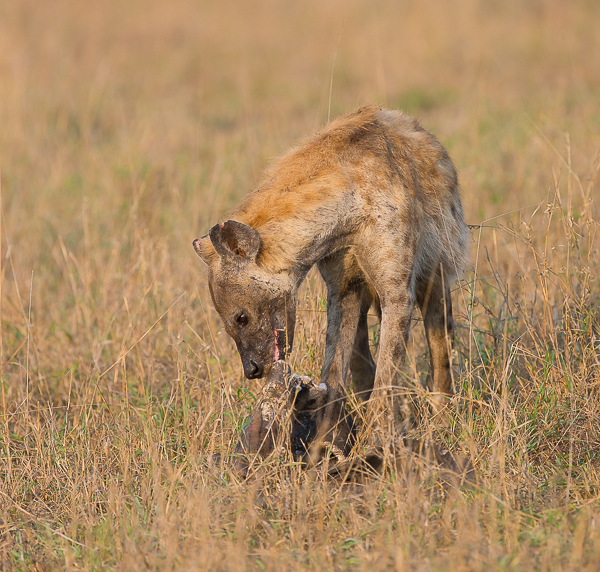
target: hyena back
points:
(373, 200)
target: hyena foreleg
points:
(344, 301)
(390, 395)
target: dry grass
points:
(127, 128)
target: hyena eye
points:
(242, 319)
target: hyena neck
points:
(301, 214)
(293, 247)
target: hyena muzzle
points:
(373, 200)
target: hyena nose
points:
(255, 370)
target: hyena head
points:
(258, 308)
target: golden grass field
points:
(128, 128)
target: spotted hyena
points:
(373, 200)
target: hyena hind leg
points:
(433, 297)
(362, 364)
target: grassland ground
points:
(127, 129)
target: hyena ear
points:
(235, 241)
(205, 250)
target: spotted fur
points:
(373, 200)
